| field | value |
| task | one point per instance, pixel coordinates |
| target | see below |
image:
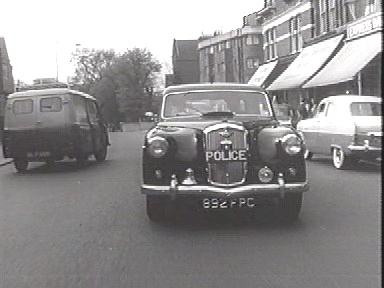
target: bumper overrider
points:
(272, 189)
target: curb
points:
(6, 163)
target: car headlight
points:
(291, 144)
(157, 146)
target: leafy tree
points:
(123, 83)
(90, 65)
(135, 72)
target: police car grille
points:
(224, 173)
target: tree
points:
(90, 64)
(123, 84)
(135, 74)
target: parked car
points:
(224, 157)
(348, 127)
(47, 124)
(286, 114)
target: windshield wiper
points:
(218, 114)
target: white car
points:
(348, 127)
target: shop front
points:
(356, 68)
(310, 60)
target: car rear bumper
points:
(207, 190)
(366, 152)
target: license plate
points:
(223, 203)
(38, 154)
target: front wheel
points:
(101, 155)
(290, 206)
(340, 160)
(81, 159)
(21, 164)
(158, 207)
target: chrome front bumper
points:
(207, 190)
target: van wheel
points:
(101, 155)
(21, 164)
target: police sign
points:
(226, 155)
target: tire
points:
(158, 208)
(101, 155)
(290, 207)
(340, 160)
(308, 154)
(21, 164)
(82, 159)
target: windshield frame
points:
(198, 115)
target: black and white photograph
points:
(168, 144)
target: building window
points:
(295, 33)
(370, 7)
(270, 43)
(339, 11)
(228, 44)
(252, 63)
(221, 46)
(324, 17)
(350, 11)
(252, 40)
(211, 49)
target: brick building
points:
(6, 78)
(233, 56)
(185, 62)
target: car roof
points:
(50, 91)
(352, 98)
(211, 86)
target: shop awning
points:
(262, 73)
(306, 64)
(353, 57)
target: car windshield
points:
(245, 103)
(366, 109)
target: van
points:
(44, 124)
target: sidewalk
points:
(4, 161)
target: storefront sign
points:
(365, 26)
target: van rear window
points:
(22, 106)
(51, 104)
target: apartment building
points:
(232, 56)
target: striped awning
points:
(352, 57)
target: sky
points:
(41, 33)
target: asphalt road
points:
(62, 226)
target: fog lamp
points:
(291, 144)
(265, 175)
(157, 146)
(158, 174)
(292, 171)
